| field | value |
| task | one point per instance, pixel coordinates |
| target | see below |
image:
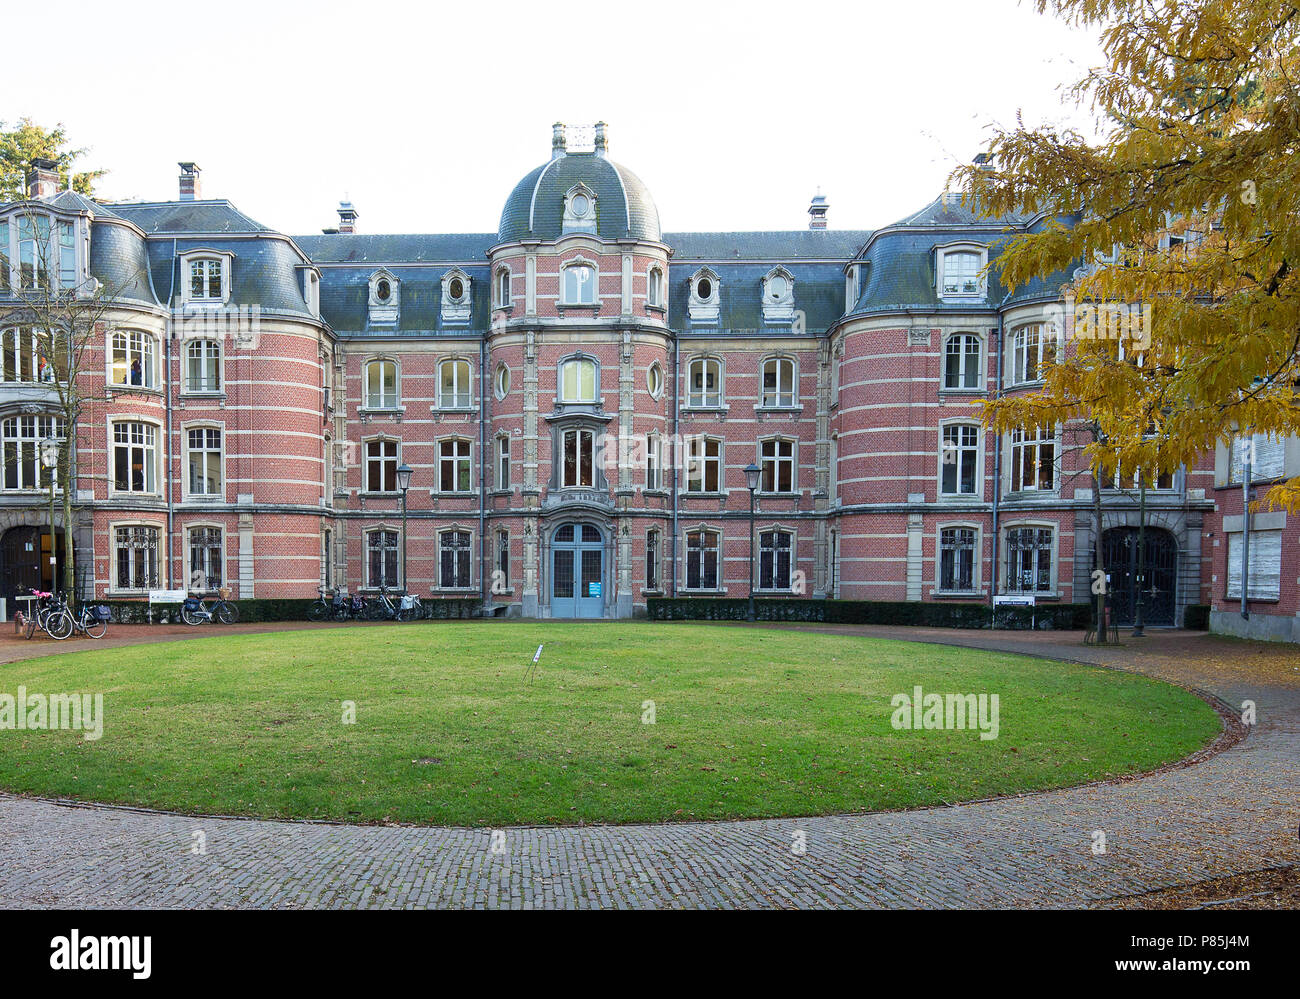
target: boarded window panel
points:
(1265, 565)
(1269, 458)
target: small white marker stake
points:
(538, 654)
(532, 670)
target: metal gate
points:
(1119, 549)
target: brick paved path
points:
(1238, 811)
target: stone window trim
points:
(941, 267)
(150, 383)
(187, 530)
(459, 403)
(794, 490)
(977, 580)
(437, 490)
(186, 495)
(1012, 462)
(706, 400)
(366, 460)
(502, 288)
(444, 540)
(455, 310)
(1019, 350)
(778, 296)
(1001, 570)
(365, 403)
(368, 585)
(782, 402)
(774, 528)
(978, 494)
(958, 338)
(224, 258)
(683, 560)
(158, 437)
(656, 299)
(563, 302)
(187, 389)
(581, 210)
(160, 530)
(560, 401)
(703, 303)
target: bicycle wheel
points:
(31, 625)
(226, 613)
(95, 628)
(59, 625)
(191, 617)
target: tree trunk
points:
(1099, 590)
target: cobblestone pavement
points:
(1235, 812)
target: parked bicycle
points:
(336, 608)
(197, 610)
(50, 615)
(91, 621)
(382, 608)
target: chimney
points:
(190, 181)
(557, 140)
(602, 138)
(347, 217)
(984, 161)
(43, 179)
(817, 211)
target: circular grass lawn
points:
(622, 722)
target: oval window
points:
(704, 289)
(456, 289)
(777, 288)
(580, 205)
(503, 381)
(383, 290)
(655, 380)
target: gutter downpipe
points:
(997, 456)
(167, 385)
(485, 468)
(676, 445)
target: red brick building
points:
(577, 395)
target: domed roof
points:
(535, 207)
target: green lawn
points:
(448, 730)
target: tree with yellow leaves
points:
(1183, 220)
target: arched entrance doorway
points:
(1120, 556)
(25, 561)
(577, 571)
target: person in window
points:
(47, 370)
(137, 373)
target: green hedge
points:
(262, 611)
(1197, 617)
(1048, 617)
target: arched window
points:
(702, 560)
(778, 382)
(1032, 347)
(1033, 459)
(381, 560)
(960, 274)
(961, 362)
(503, 288)
(959, 459)
(654, 294)
(704, 382)
(578, 380)
(132, 359)
(381, 384)
(579, 285)
(455, 390)
(203, 366)
(775, 553)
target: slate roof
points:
(776, 246)
(536, 206)
(172, 217)
(402, 248)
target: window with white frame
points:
(653, 461)
(381, 558)
(961, 274)
(135, 554)
(1032, 348)
(652, 559)
(45, 251)
(454, 466)
(455, 390)
(203, 455)
(132, 356)
(775, 550)
(503, 288)
(961, 362)
(203, 366)
(1033, 459)
(23, 360)
(578, 380)
(703, 465)
(381, 384)
(135, 457)
(503, 462)
(454, 560)
(778, 382)
(1029, 560)
(776, 459)
(654, 294)
(959, 455)
(1265, 565)
(957, 559)
(381, 466)
(1267, 454)
(704, 382)
(578, 286)
(501, 582)
(207, 279)
(577, 468)
(502, 381)
(207, 559)
(20, 443)
(702, 549)
(654, 380)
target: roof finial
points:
(557, 140)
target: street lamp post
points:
(1139, 627)
(50, 460)
(752, 472)
(404, 472)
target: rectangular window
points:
(1031, 348)
(203, 366)
(453, 466)
(1033, 459)
(577, 469)
(135, 457)
(959, 460)
(778, 466)
(205, 281)
(381, 385)
(4, 255)
(133, 359)
(454, 552)
(774, 553)
(381, 563)
(135, 551)
(961, 273)
(33, 252)
(778, 382)
(454, 385)
(579, 285)
(206, 559)
(67, 255)
(21, 446)
(503, 462)
(1267, 457)
(22, 355)
(1265, 565)
(1029, 560)
(703, 465)
(381, 466)
(962, 362)
(578, 381)
(957, 559)
(652, 560)
(502, 581)
(653, 463)
(704, 383)
(702, 560)
(205, 461)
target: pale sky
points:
(426, 114)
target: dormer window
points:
(579, 284)
(778, 296)
(579, 209)
(206, 277)
(44, 251)
(455, 297)
(311, 290)
(385, 298)
(960, 272)
(704, 303)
